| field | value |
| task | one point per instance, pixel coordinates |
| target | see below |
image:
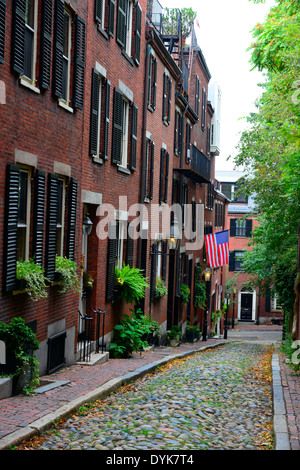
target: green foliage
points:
(33, 274)
(288, 350)
(200, 294)
(269, 153)
(185, 293)
(174, 332)
(193, 330)
(130, 283)
(170, 21)
(68, 277)
(20, 341)
(160, 289)
(215, 315)
(128, 335)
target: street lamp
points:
(207, 276)
(87, 225)
(227, 297)
(174, 235)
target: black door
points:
(246, 307)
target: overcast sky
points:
(224, 36)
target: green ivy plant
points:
(185, 293)
(130, 284)
(200, 294)
(128, 336)
(68, 277)
(160, 289)
(35, 281)
(195, 330)
(20, 341)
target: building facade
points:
(104, 116)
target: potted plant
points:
(87, 282)
(174, 336)
(21, 363)
(130, 284)
(30, 276)
(214, 318)
(152, 335)
(192, 333)
(128, 336)
(185, 293)
(66, 274)
(160, 289)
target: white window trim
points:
(65, 103)
(129, 16)
(26, 81)
(124, 150)
(62, 215)
(28, 208)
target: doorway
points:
(246, 306)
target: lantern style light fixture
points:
(207, 274)
(174, 235)
(87, 225)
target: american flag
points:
(217, 248)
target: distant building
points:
(249, 304)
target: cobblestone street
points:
(216, 399)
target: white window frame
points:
(62, 225)
(125, 130)
(28, 206)
(30, 82)
(129, 16)
(68, 13)
(274, 303)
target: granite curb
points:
(280, 426)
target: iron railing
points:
(89, 337)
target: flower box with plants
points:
(130, 284)
(185, 293)
(30, 278)
(174, 336)
(160, 289)
(66, 275)
(21, 363)
(193, 333)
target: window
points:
(100, 12)
(197, 95)
(167, 94)
(233, 192)
(60, 217)
(203, 114)
(124, 141)
(209, 196)
(274, 303)
(178, 137)
(23, 215)
(66, 56)
(129, 28)
(164, 176)
(188, 142)
(100, 116)
(149, 166)
(219, 214)
(241, 227)
(30, 39)
(152, 75)
(236, 260)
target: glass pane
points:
(29, 15)
(66, 35)
(226, 189)
(28, 53)
(21, 244)
(23, 192)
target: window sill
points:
(98, 160)
(150, 108)
(124, 170)
(64, 105)
(29, 84)
(127, 57)
(166, 123)
(102, 31)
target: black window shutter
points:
(59, 33)
(106, 119)
(72, 219)
(232, 261)
(130, 246)
(79, 62)
(2, 29)
(111, 260)
(151, 170)
(164, 104)
(248, 227)
(134, 112)
(154, 84)
(52, 213)
(161, 175)
(180, 133)
(117, 127)
(121, 23)
(232, 227)
(169, 81)
(94, 112)
(166, 176)
(111, 17)
(138, 25)
(38, 219)
(18, 36)
(46, 44)
(176, 132)
(164, 260)
(268, 300)
(11, 227)
(99, 10)
(153, 271)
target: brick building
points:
(101, 111)
(249, 303)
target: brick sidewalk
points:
(291, 390)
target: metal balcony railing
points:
(200, 163)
